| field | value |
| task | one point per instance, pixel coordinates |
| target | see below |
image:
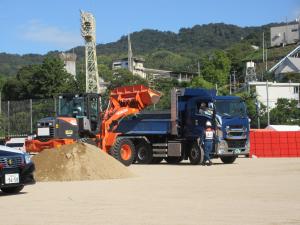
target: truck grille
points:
(52, 131)
(11, 162)
(236, 143)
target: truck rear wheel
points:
(144, 154)
(124, 151)
(228, 159)
(196, 155)
(173, 160)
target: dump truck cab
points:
(233, 126)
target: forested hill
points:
(200, 40)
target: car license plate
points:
(237, 151)
(12, 178)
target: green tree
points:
(40, 81)
(286, 112)
(122, 77)
(199, 81)
(216, 68)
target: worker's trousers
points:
(208, 145)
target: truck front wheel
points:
(196, 155)
(144, 153)
(124, 151)
(228, 159)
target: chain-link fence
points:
(19, 118)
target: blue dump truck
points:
(176, 135)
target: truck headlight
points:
(222, 147)
(27, 158)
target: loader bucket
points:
(139, 94)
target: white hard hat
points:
(208, 123)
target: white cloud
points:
(296, 13)
(35, 31)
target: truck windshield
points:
(231, 108)
(71, 107)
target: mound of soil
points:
(78, 161)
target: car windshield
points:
(231, 108)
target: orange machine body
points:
(35, 146)
(124, 101)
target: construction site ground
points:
(251, 191)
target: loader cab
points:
(85, 108)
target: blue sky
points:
(39, 26)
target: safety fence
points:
(19, 118)
(266, 143)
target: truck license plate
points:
(237, 151)
(12, 178)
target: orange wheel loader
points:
(79, 118)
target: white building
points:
(283, 35)
(275, 91)
(137, 69)
(147, 73)
(289, 64)
(69, 60)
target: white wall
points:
(276, 91)
(284, 34)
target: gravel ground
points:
(251, 191)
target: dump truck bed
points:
(146, 123)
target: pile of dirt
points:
(78, 161)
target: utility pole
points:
(257, 103)
(266, 59)
(230, 84)
(263, 45)
(268, 110)
(199, 71)
(234, 81)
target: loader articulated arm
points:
(124, 101)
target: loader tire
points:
(196, 154)
(173, 160)
(228, 159)
(144, 154)
(124, 151)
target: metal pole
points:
(258, 112)
(31, 128)
(55, 113)
(199, 68)
(268, 110)
(0, 103)
(263, 45)
(266, 59)
(230, 84)
(234, 81)
(8, 119)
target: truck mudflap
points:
(223, 149)
(35, 146)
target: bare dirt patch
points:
(78, 161)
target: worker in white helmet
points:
(208, 140)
